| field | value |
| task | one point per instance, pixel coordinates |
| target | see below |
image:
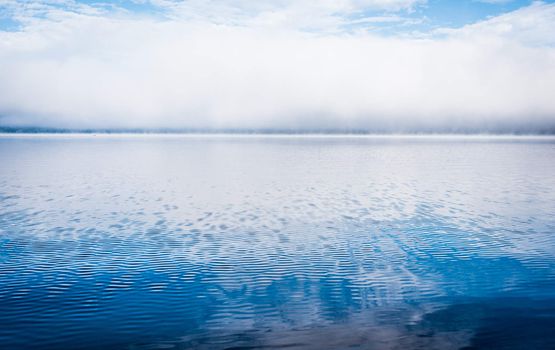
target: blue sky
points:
(421, 15)
(374, 64)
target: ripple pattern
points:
(209, 243)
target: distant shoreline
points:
(273, 135)
(8, 130)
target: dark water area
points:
(270, 242)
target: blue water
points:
(228, 242)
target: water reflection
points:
(199, 242)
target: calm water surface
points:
(198, 242)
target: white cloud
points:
(327, 15)
(86, 70)
(532, 25)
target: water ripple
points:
(182, 243)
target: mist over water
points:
(228, 242)
(226, 65)
(234, 174)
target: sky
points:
(375, 65)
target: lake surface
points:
(255, 242)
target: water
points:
(228, 242)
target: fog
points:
(86, 69)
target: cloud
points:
(325, 15)
(82, 69)
(530, 26)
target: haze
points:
(296, 65)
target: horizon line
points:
(275, 135)
(30, 130)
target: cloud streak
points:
(81, 69)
